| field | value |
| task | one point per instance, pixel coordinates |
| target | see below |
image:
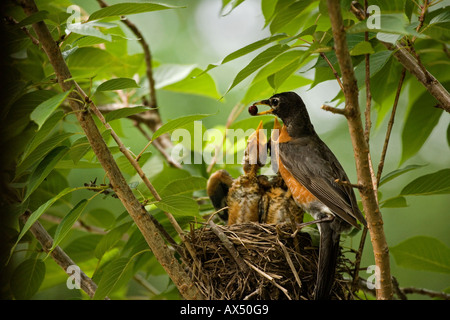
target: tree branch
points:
(426, 292)
(361, 151)
(104, 156)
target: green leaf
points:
(27, 278)
(89, 62)
(44, 168)
(178, 205)
(33, 18)
(362, 48)
(263, 88)
(46, 108)
(127, 9)
(88, 29)
(279, 63)
(67, 222)
(177, 123)
(99, 217)
(112, 276)
(125, 112)
(283, 17)
(231, 4)
(422, 253)
(110, 239)
(394, 174)
(394, 23)
(116, 274)
(420, 122)
(182, 186)
(43, 132)
(191, 84)
(117, 84)
(439, 26)
(259, 61)
(396, 202)
(245, 50)
(40, 151)
(82, 248)
(433, 183)
(168, 74)
(79, 148)
(36, 214)
(377, 61)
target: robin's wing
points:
(313, 164)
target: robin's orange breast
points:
(301, 195)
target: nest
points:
(258, 261)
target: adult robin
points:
(310, 171)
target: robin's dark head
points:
(289, 107)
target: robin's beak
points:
(266, 103)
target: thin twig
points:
(358, 257)
(397, 289)
(423, 11)
(367, 112)
(426, 292)
(335, 110)
(390, 125)
(347, 183)
(290, 263)
(338, 79)
(270, 278)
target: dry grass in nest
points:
(258, 261)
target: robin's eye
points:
(275, 102)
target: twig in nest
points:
(229, 246)
(291, 264)
(305, 224)
(270, 278)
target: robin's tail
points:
(328, 255)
